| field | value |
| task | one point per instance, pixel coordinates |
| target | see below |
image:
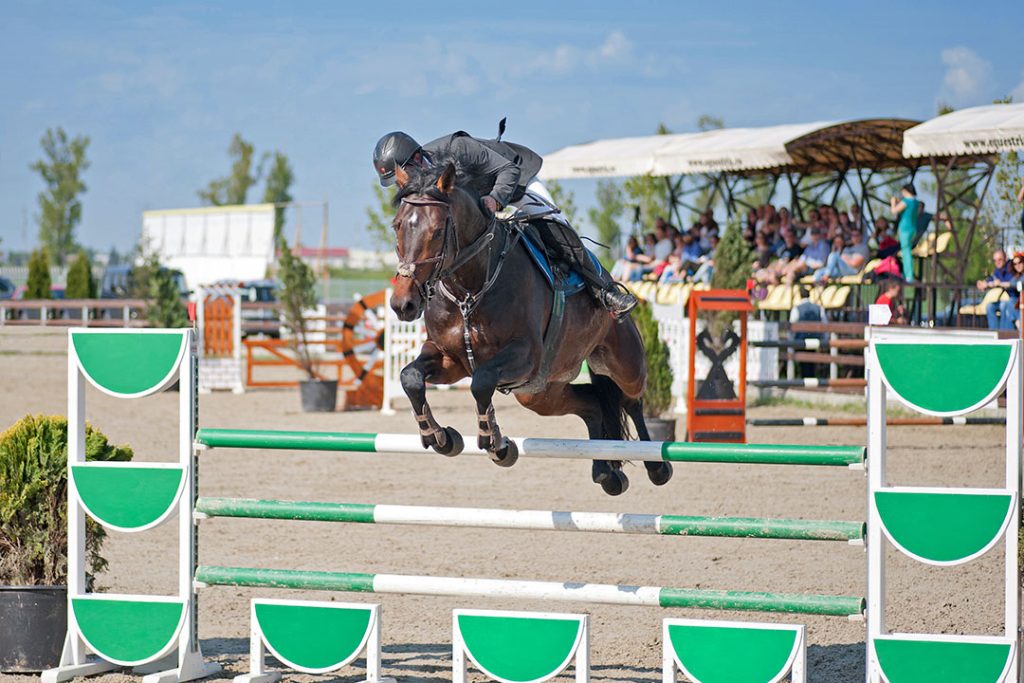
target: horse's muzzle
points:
(408, 307)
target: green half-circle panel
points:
(128, 497)
(519, 649)
(729, 654)
(311, 638)
(128, 630)
(943, 528)
(941, 661)
(945, 379)
(129, 364)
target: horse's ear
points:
(401, 177)
(446, 183)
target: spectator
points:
(789, 253)
(886, 243)
(844, 260)
(762, 252)
(857, 219)
(1009, 310)
(908, 209)
(1000, 278)
(814, 256)
(707, 268)
(1020, 198)
(620, 271)
(890, 295)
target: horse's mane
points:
(423, 180)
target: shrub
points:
(658, 394)
(165, 308)
(81, 284)
(298, 293)
(33, 500)
(38, 286)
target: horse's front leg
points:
(434, 366)
(510, 364)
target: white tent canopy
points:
(730, 149)
(979, 130)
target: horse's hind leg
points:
(431, 364)
(658, 471)
(582, 400)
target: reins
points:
(439, 278)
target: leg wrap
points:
(489, 432)
(431, 433)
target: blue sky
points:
(161, 87)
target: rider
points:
(501, 172)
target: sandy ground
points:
(417, 630)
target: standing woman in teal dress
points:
(908, 208)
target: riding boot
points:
(567, 246)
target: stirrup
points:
(619, 314)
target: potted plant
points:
(33, 538)
(658, 393)
(297, 295)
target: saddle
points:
(527, 217)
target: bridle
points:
(450, 240)
(466, 300)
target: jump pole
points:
(575, 449)
(539, 520)
(862, 422)
(568, 591)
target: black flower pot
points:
(33, 621)
(661, 429)
(318, 396)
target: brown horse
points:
(487, 311)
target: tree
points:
(564, 200)
(279, 182)
(165, 308)
(38, 286)
(606, 215)
(650, 193)
(234, 188)
(732, 260)
(81, 284)
(298, 294)
(379, 219)
(60, 209)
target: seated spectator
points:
(844, 260)
(889, 295)
(790, 252)
(814, 256)
(1001, 277)
(813, 221)
(1009, 310)
(762, 252)
(707, 267)
(620, 271)
(887, 244)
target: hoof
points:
(507, 456)
(659, 472)
(453, 443)
(612, 479)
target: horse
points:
(488, 315)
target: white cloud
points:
(565, 59)
(968, 77)
(616, 46)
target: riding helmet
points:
(393, 148)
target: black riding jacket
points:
(498, 169)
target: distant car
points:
(262, 320)
(7, 288)
(119, 282)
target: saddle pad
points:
(571, 284)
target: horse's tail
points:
(614, 419)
